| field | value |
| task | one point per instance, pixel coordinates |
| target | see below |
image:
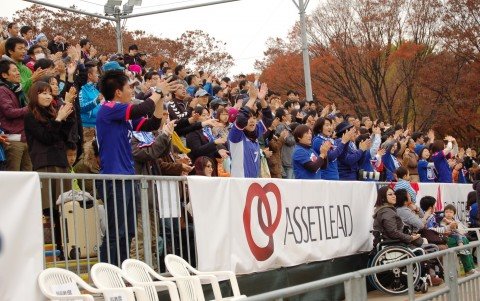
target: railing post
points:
(147, 235)
(451, 276)
(355, 289)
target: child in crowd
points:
(71, 158)
(403, 182)
(457, 234)
(457, 238)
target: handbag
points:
(433, 237)
(264, 170)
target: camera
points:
(364, 175)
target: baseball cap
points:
(201, 92)
(113, 65)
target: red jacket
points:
(11, 114)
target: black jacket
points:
(46, 141)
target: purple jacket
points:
(11, 114)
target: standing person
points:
(243, 137)
(289, 145)
(13, 108)
(426, 169)
(116, 120)
(439, 158)
(202, 142)
(27, 34)
(15, 50)
(351, 156)
(306, 165)
(323, 132)
(90, 99)
(410, 161)
(47, 131)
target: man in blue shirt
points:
(116, 120)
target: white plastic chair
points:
(107, 276)
(139, 273)
(60, 284)
(178, 267)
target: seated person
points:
(388, 222)
(410, 214)
(457, 238)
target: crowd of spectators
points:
(112, 114)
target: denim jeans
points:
(120, 221)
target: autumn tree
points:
(196, 49)
(411, 62)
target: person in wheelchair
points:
(387, 223)
(392, 244)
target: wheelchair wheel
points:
(394, 281)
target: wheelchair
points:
(395, 281)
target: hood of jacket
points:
(383, 208)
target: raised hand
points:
(223, 153)
(365, 144)
(64, 112)
(211, 122)
(39, 73)
(221, 140)
(168, 128)
(381, 152)
(324, 148)
(263, 91)
(267, 152)
(71, 95)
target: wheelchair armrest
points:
(389, 242)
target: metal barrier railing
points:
(467, 288)
(114, 217)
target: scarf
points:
(17, 90)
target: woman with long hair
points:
(204, 166)
(387, 222)
(47, 130)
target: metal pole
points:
(177, 8)
(118, 32)
(69, 9)
(302, 7)
(147, 235)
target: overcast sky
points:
(244, 25)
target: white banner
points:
(21, 236)
(252, 225)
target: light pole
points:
(302, 8)
(112, 8)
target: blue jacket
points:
(389, 165)
(331, 172)
(89, 106)
(207, 87)
(348, 161)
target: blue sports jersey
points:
(114, 132)
(426, 171)
(441, 165)
(302, 155)
(331, 172)
(245, 153)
